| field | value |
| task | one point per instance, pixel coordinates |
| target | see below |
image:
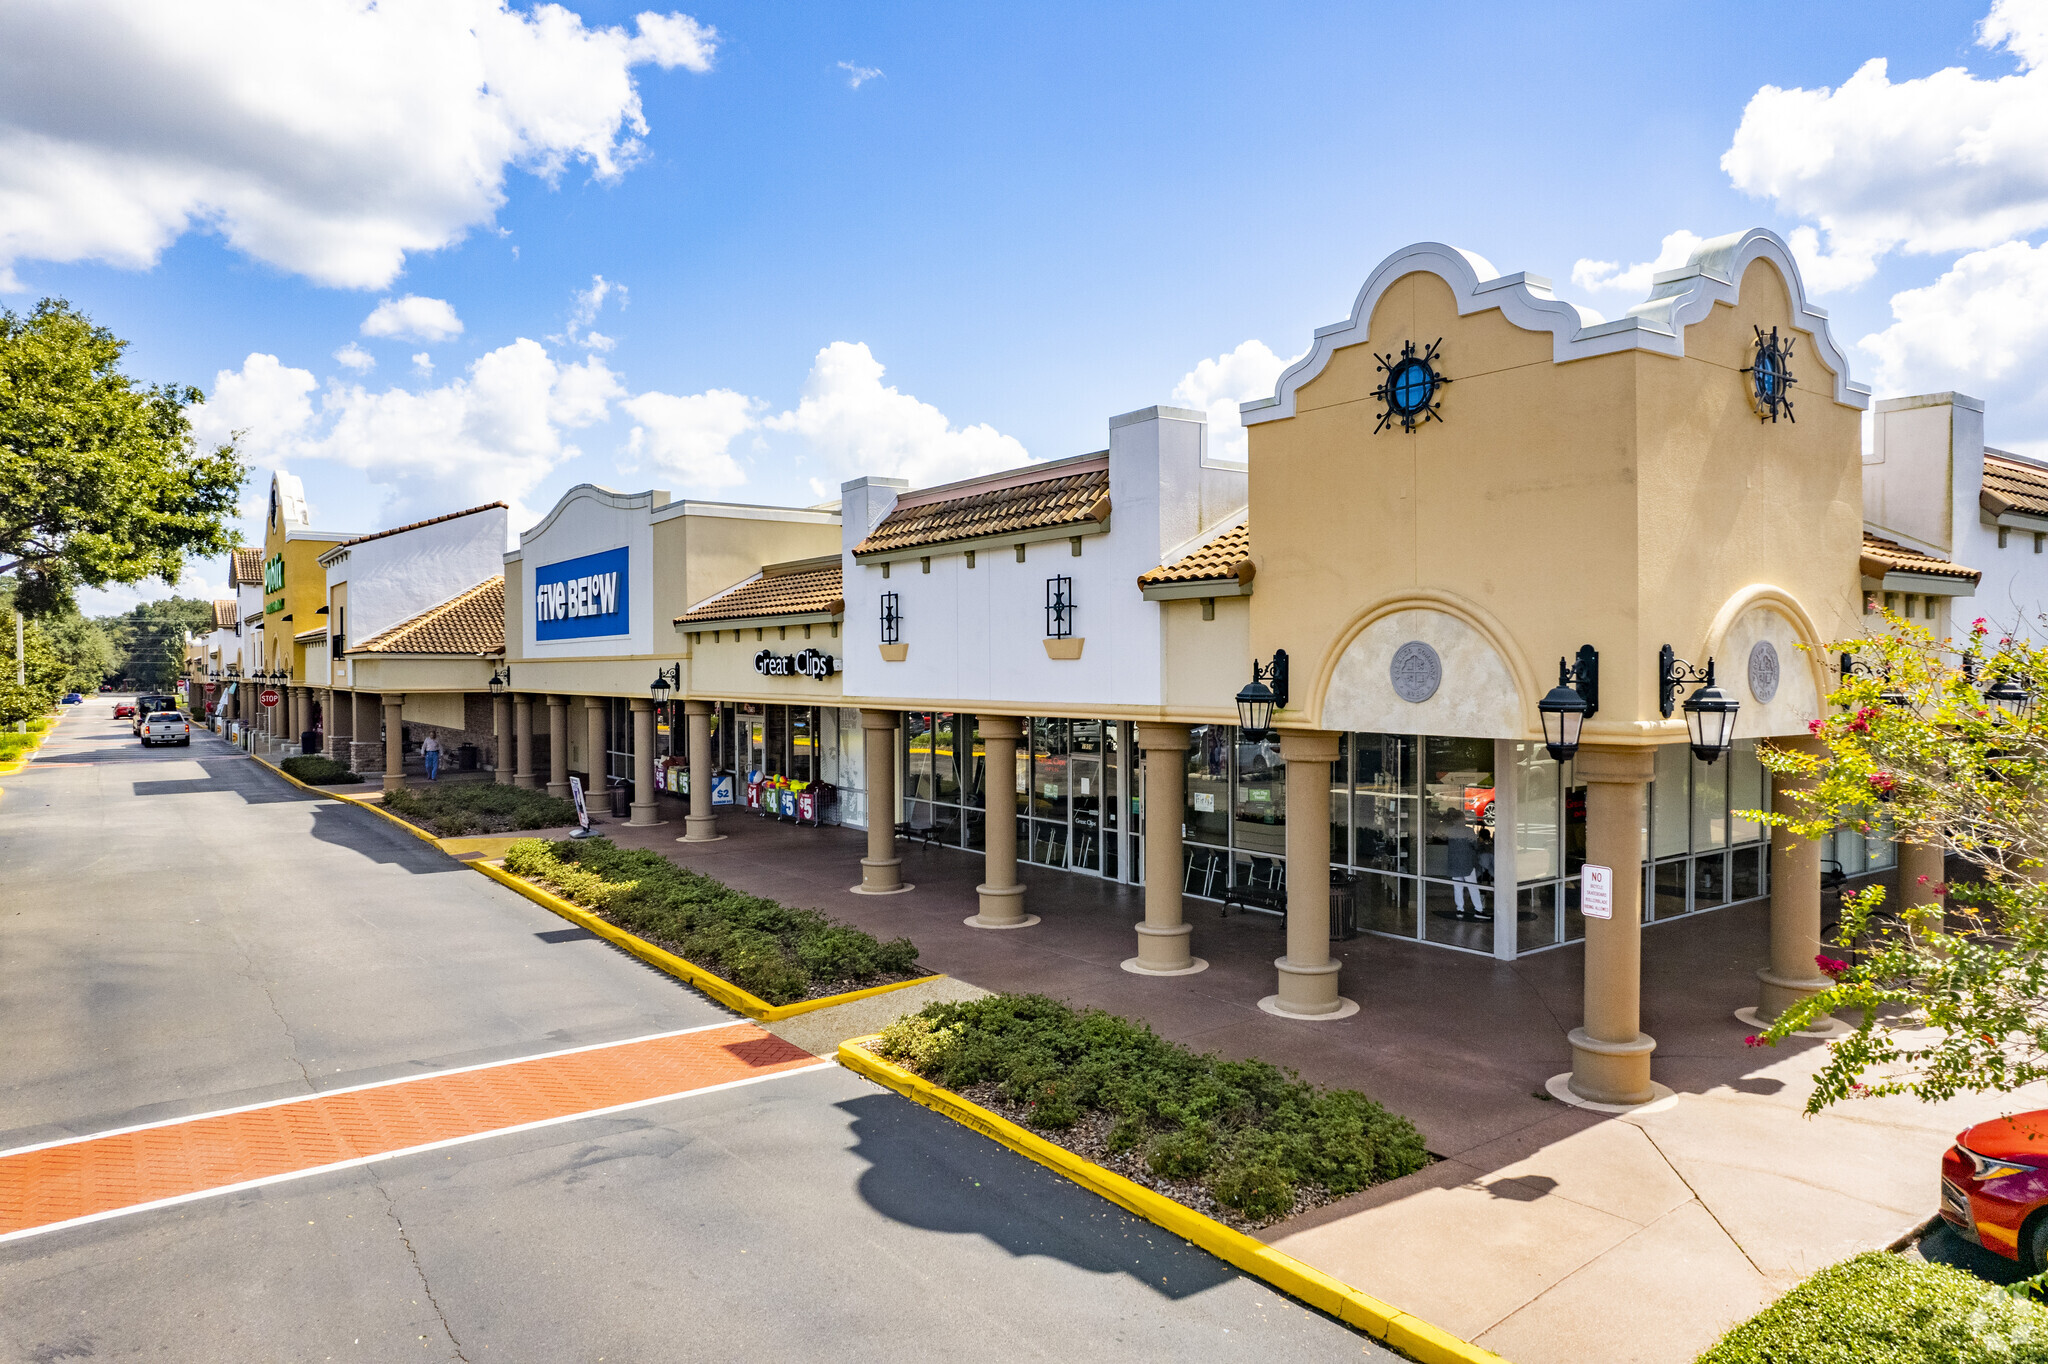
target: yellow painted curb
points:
(14, 765)
(719, 988)
(1402, 1330)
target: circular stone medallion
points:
(1416, 671)
(1763, 671)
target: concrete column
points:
(1611, 1053)
(558, 746)
(596, 731)
(644, 808)
(881, 871)
(700, 825)
(394, 740)
(341, 729)
(501, 738)
(1795, 907)
(1308, 976)
(1002, 895)
(1164, 936)
(1918, 860)
(522, 740)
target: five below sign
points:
(809, 663)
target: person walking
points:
(430, 754)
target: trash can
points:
(1343, 905)
(622, 798)
(466, 757)
(309, 741)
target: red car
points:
(1994, 1187)
(123, 709)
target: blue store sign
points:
(581, 598)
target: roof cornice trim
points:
(1678, 298)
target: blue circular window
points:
(1770, 377)
(1410, 386)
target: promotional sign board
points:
(582, 811)
(582, 598)
(269, 697)
(721, 789)
(1596, 891)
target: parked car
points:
(167, 727)
(72, 698)
(150, 703)
(124, 710)
(1994, 1187)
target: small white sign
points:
(1205, 802)
(1596, 891)
(576, 792)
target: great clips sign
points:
(582, 598)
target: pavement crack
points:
(419, 1270)
(1705, 1207)
(256, 978)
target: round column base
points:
(642, 817)
(1560, 1088)
(1780, 993)
(1306, 991)
(1612, 1072)
(1163, 950)
(1276, 1006)
(393, 783)
(1001, 907)
(559, 790)
(881, 876)
(1822, 1027)
(1138, 967)
(525, 780)
(700, 829)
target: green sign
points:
(273, 573)
(277, 605)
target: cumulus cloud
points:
(329, 139)
(423, 363)
(589, 303)
(857, 76)
(1981, 328)
(352, 356)
(1945, 162)
(1218, 385)
(493, 433)
(1634, 280)
(692, 436)
(415, 318)
(857, 425)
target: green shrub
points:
(1885, 1309)
(765, 947)
(316, 769)
(1252, 1133)
(12, 746)
(453, 809)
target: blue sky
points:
(1030, 217)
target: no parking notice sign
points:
(1596, 891)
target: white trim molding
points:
(1678, 298)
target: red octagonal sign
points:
(269, 697)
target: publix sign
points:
(808, 663)
(582, 598)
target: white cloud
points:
(692, 436)
(857, 76)
(423, 363)
(494, 433)
(330, 139)
(1982, 328)
(856, 425)
(1944, 162)
(420, 319)
(1217, 386)
(589, 303)
(352, 356)
(1634, 280)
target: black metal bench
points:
(1267, 899)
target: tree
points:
(1939, 738)
(149, 640)
(100, 479)
(46, 672)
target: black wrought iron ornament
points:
(1413, 388)
(1770, 377)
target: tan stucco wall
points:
(408, 675)
(724, 671)
(1205, 662)
(701, 553)
(1622, 500)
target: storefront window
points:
(1458, 816)
(1260, 803)
(1668, 797)
(1208, 785)
(1710, 805)
(917, 753)
(1538, 837)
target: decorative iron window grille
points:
(892, 619)
(1059, 608)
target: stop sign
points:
(269, 697)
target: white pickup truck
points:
(166, 727)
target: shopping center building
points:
(1313, 683)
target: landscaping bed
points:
(317, 770)
(772, 951)
(1885, 1309)
(1244, 1142)
(451, 809)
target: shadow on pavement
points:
(345, 826)
(1943, 1247)
(239, 777)
(926, 1171)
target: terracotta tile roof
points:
(430, 521)
(472, 624)
(1062, 500)
(1881, 556)
(1213, 562)
(804, 592)
(225, 615)
(245, 565)
(2014, 484)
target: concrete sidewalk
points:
(1547, 1233)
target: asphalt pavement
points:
(182, 932)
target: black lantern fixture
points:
(1856, 667)
(501, 681)
(2010, 696)
(665, 681)
(1266, 693)
(1709, 711)
(1565, 708)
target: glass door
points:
(754, 746)
(1084, 845)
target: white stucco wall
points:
(590, 520)
(393, 578)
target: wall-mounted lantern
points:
(501, 681)
(1059, 608)
(1856, 667)
(665, 680)
(1565, 708)
(1709, 711)
(1266, 693)
(892, 619)
(2010, 695)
